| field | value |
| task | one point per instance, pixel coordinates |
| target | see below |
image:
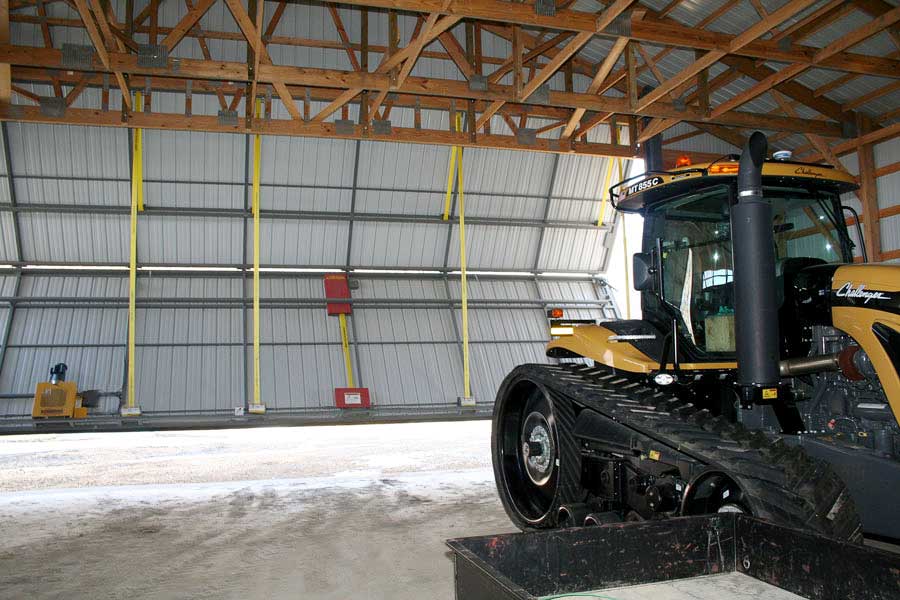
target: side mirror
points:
(644, 272)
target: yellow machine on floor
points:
(59, 398)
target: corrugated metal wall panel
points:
(579, 211)
(398, 245)
(490, 247)
(402, 325)
(191, 195)
(74, 238)
(582, 250)
(299, 243)
(492, 362)
(188, 380)
(423, 375)
(68, 151)
(306, 161)
(507, 172)
(192, 156)
(7, 238)
(187, 240)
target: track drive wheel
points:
(537, 465)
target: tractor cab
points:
(685, 271)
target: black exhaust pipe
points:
(653, 149)
(755, 303)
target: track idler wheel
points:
(537, 464)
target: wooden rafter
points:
(713, 56)
(204, 49)
(254, 38)
(567, 52)
(854, 37)
(552, 46)
(187, 22)
(100, 46)
(345, 39)
(602, 73)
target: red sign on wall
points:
(351, 397)
(338, 286)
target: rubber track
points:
(784, 484)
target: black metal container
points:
(530, 566)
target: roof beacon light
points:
(782, 155)
(723, 169)
(555, 313)
(683, 161)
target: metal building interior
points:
(181, 180)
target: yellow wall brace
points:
(456, 164)
(257, 407)
(131, 408)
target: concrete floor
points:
(316, 512)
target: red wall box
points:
(338, 286)
(351, 397)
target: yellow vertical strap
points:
(136, 193)
(450, 171)
(604, 192)
(255, 209)
(345, 344)
(462, 269)
(139, 154)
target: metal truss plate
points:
(382, 127)
(546, 8)
(228, 117)
(77, 56)
(540, 95)
(52, 106)
(153, 56)
(344, 127)
(478, 83)
(526, 137)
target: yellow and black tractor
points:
(762, 377)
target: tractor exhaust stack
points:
(756, 308)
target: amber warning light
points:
(724, 169)
(683, 161)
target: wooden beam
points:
(100, 47)
(456, 53)
(817, 141)
(255, 40)
(6, 87)
(328, 78)
(602, 72)
(851, 39)
(294, 127)
(345, 39)
(868, 197)
(654, 31)
(187, 22)
(204, 49)
(754, 31)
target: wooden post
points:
(5, 69)
(868, 196)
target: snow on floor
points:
(313, 512)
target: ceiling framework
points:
(550, 78)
